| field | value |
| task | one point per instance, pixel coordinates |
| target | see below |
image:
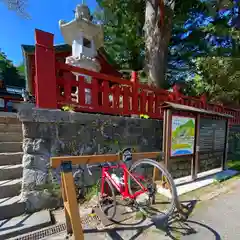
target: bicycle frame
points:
(123, 190)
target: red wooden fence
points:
(54, 84)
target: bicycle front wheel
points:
(158, 199)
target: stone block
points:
(68, 131)
(39, 162)
(36, 146)
(32, 178)
(39, 130)
(174, 166)
(135, 130)
(181, 166)
(38, 200)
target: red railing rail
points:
(56, 86)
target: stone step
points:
(10, 137)
(10, 188)
(11, 128)
(9, 118)
(11, 207)
(6, 147)
(23, 224)
(8, 172)
(10, 158)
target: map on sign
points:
(183, 132)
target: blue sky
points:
(45, 15)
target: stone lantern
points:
(85, 37)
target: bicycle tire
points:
(164, 171)
(111, 216)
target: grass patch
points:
(234, 165)
(90, 192)
(139, 215)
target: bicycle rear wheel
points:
(157, 202)
(107, 198)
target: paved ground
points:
(216, 219)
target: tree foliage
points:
(19, 6)
(204, 37)
(123, 23)
(216, 70)
(123, 27)
(218, 78)
(9, 73)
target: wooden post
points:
(164, 134)
(195, 165)
(226, 146)
(71, 209)
(46, 84)
(64, 197)
(166, 141)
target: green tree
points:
(9, 73)
(218, 78)
(21, 70)
(215, 71)
(151, 29)
(123, 23)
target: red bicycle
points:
(134, 184)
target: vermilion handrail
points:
(103, 93)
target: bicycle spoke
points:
(154, 202)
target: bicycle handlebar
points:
(98, 165)
(126, 155)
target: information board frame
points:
(174, 109)
(187, 126)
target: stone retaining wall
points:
(208, 161)
(49, 133)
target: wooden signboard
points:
(212, 135)
(212, 142)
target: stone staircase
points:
(10, 166)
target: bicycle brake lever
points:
(89, 171)
(76, 174)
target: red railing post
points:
(95, 94)
(46, 83)
(203, 100)
(176, 93)
(135, 88)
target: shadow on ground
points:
(173, 228)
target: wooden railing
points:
(56, 86)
